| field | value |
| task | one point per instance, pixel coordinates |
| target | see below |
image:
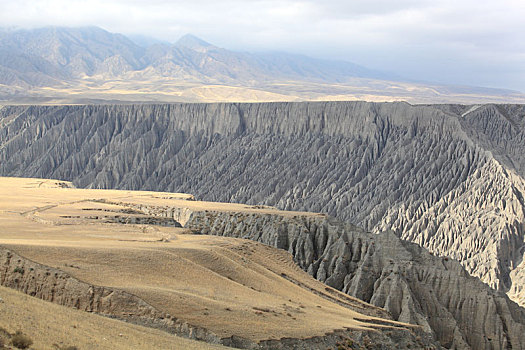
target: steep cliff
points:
(448, 177)
(437, 293)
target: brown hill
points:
(82, 248)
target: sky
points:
(463, 42)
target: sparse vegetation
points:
(4, 333)
(65, 347)
(21, 341)
(57, 328)
(261, 309)
(19, 270)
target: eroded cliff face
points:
(447, 177)
(436, 293)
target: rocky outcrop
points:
(448, 177)
(458, 310)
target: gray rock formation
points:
(414, 286)
(452, 307)
(447, 177)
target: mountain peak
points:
(192, 42)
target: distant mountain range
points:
(89, 64)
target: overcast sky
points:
(472, 42)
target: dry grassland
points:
(48, 324)
(229, 286)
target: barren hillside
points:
(93, 250)
(52, 326)
(198, 269)
(57, 65)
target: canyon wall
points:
(447, 177)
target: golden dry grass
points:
(230, 286)
(48, 324)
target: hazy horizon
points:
(468, 43)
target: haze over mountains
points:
(89, 64)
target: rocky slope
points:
(68, 282)
(448, 177)
(114, 276)
(454, 308)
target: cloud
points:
(440, 39)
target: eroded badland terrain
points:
(343, 224)
(115, 253)
(435, 261)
